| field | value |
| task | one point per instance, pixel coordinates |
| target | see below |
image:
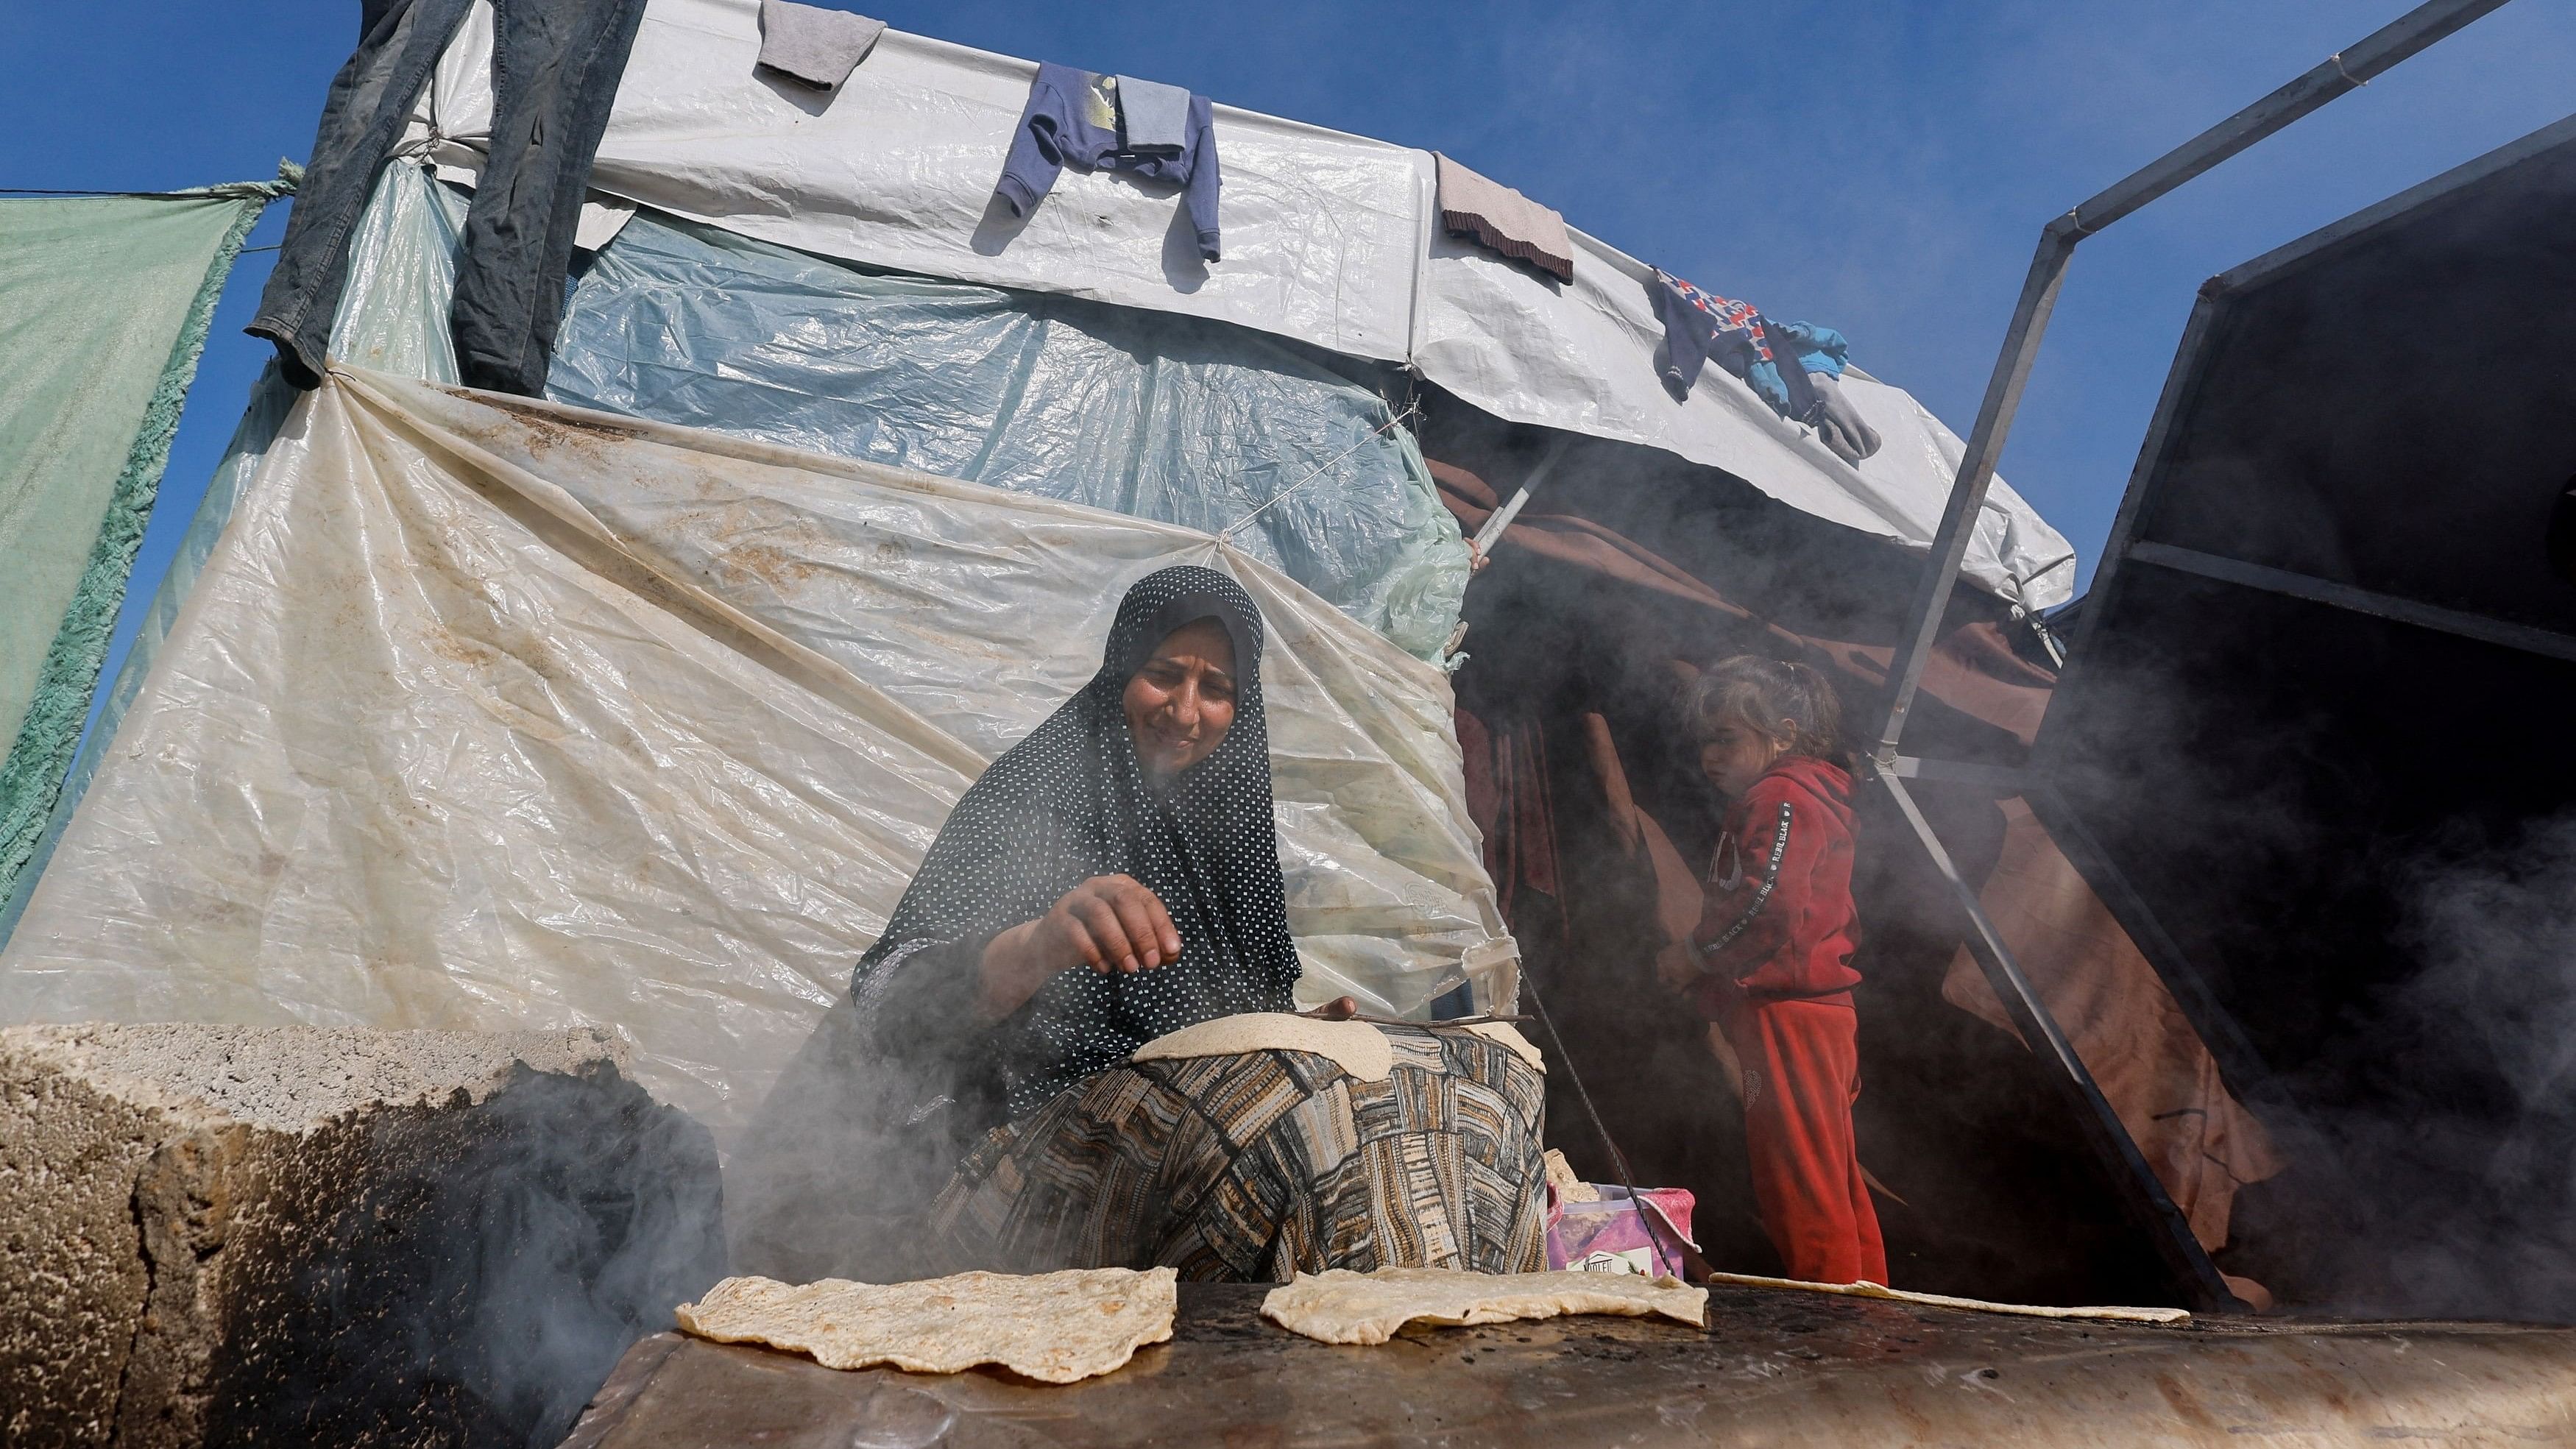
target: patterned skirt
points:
(1255, 1166)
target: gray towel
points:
(1152, 117)
(811, 44)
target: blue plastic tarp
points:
(1159, 416)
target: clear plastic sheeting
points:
(491, 714)
(402, 278)
(393, 316)
(1204, 424)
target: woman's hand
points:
(1110, 923)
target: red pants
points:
(1801, 1073)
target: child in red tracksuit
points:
(1770, 963)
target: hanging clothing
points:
(1072, 120)
(555, 69)
(1152, 116)
(1838, 421)
(1066, 804)
(1501, 220)
(1260, 1165)
(1779, 923)
(1701, 326)
(363, 115)
(1801, 1062)
(814, 46)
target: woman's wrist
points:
(1011, 972)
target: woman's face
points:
(1181, 702)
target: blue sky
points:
(1882, 168)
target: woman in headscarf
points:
(1112, 878)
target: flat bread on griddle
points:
(1340, 1306)
(1054, 1327)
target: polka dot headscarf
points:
(1071, 802)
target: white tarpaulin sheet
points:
(1580, 357)
(897, 168)
(489, 714)
(1329, 238)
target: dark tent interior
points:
(1628, 569)
(2334, 644)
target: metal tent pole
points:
(2344, 71)
(2337, 74)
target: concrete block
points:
(294, 1235)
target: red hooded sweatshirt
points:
(1779, 923)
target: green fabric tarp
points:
(104, 304)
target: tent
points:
(634, 706)
(1331, 240)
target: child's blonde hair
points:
(1750, 690)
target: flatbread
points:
(1944, 1300)
(1355, 1046)
(1340, 1306)
(1054, 1327)
(1570, 1187)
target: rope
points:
(289, 177)
(1618, 1159)
(1373, 434)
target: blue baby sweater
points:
(1072, 120)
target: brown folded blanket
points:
(1502, 220)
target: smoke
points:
(497, 1262)
(2468, 1146)
(834, 1175)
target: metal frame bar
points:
(2002, 779)
(2338, 74)
(2171, 403)
(2199, 334)
(1501, 518)
(2292, 255)
(2238, 1062)
(2527, 638)
(2244, 1070)
(2145, 1196)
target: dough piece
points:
(1944, 1300)
(1510, 1036)
(1569, 1186)
(1357, 1047)
(1055, 1327)
(1340, 1306)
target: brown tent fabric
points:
(2151, 1064)
(1506, 775)
(1677, 889)
(2111, 1004)
(1972, 669)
